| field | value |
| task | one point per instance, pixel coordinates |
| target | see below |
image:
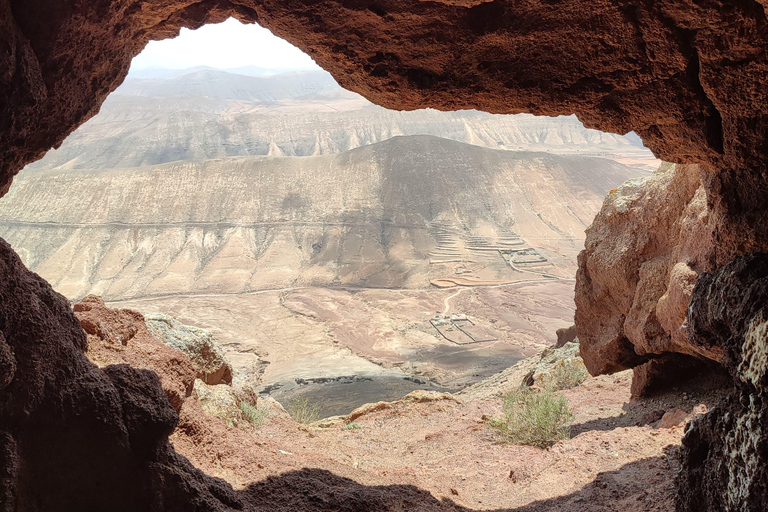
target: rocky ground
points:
(429, 451)
(442, 454)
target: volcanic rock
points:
(120, 336)
(60, 412)
(643, 254)
(725, 452)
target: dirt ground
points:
(442, 455)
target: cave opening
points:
(231, 184)
(643, 305)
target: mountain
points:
(205, 113)
(405, 212)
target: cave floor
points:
(442, 455)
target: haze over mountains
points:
(211, 181)
(208, 113)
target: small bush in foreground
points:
(534, 418)
(252, 415)
(352, 426)
(567, 374)
(303, 411)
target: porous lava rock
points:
(197, 344)
(725, 452)
(643, 254)
(74, 436)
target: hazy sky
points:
(226, 45)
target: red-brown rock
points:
(643, 254)
(77, 437)
(118, 336)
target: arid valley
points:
(320, 236)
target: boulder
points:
(565, 335)
(642, 256)
(544, 371)
(198, 344)
(120, 336)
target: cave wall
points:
(687, 75)
(725, 452)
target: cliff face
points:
(643, 254)
(384, 215)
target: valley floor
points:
(278, 339)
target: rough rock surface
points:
(565, 335)
(74, 436)
(198, 344)
(725, 453)
(642, 256)
(120, 336)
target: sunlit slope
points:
(214, 114)
(395, 214)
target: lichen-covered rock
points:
(198, 344)
(556, 363)
(642, 256)
(725, 452)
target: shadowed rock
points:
(725, 452)
(76, 437)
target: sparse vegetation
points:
(567, 374)
(352, 426)
(303, 411)
(534, 418)
(252, 414)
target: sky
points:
(227, 45)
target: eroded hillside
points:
(403, 213)
(206, 113)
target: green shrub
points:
(352, 426)
(567, 374)
(303, 411)
(252, 415)
(534, 418)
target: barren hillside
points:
(206, 113)
(406, 212)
